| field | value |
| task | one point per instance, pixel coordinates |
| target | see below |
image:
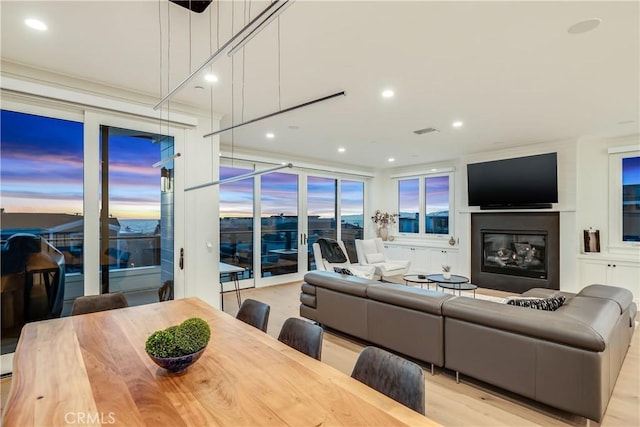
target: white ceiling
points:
(509, 70)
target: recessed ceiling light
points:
(211, 78)
(391, 159)
(626, 122)
(584, 26)
(294, 127)
(341, 150)
(36, 24)
(388, 93)
(270, 135)
(457, 124)
(199, 87)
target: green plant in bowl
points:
(179, 346)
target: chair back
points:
(165, 292)
(398, 378)
(365, 247)
(95, 303)
(303, 336)
(321, 259)
(254, 313)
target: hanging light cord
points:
(279, 68)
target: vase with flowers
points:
(382, 220)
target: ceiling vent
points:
(425, 130)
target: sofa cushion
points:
(622, 297)
(351, 285)
(308, 289)
(343, 270)
(548, 304)
(546, 293)
(582, 324)
(308, 300)
(405, 296)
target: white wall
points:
(566, 205)
(593, 185)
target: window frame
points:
(615, 239)
(422, 182)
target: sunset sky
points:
(42, 164)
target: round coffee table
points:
(455, 283)
(416, 278)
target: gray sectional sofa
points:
(569, 358)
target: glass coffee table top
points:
(456, 283)
(417, 278)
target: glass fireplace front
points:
(515, 253)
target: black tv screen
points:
(530, 181)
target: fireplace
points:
(515, 251)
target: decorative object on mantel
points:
(591, 240)
(382, 219)
(178, 347)
(446, 272)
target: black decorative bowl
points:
(178, 364)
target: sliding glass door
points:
(136, 218)
(322, 206)
(279, 233)
(268, 223)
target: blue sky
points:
(631, 171)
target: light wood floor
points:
(469, 403)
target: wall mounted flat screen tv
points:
(518, 183)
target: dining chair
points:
(254, 313)
(392, 375)
(303, 336)
(94, 303)
(165, 292)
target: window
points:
(351, 215)
(408, 205)
(428, 197)
(236, 220)
(41, 168)
(631, 199)
(624, 197)
(436, 196)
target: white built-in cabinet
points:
(597, 269)
(424, 259)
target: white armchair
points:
(366, 271)
(371, 252)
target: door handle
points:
(181, 262)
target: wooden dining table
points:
(93, 370)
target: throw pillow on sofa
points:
(549, 304)
(343, 270)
